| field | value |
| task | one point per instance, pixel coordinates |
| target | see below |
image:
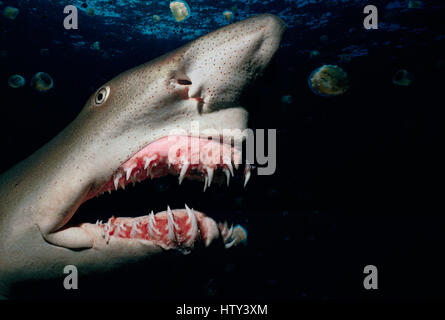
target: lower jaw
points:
(178, 229)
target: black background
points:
(358, 177)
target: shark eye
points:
(102, 95)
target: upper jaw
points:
(185, 156)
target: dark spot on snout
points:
(184, 82)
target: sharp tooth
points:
(97, 222)
(151, 225)
(193, 222)
(189, 212)
(210, 173)
(109, 191)
(128, 172)
(229, 234)
(151, 218)
(183, 172)
(227, 172)
(205, 183)
(229, 165)
(247, 175)
(147, 161)
(116, 180)
(171, 231)
(230, 244)
(173, 220)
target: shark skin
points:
(199, 82)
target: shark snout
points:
(221, 64)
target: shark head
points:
(139, 125)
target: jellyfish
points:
(228, 15)
(11, 12)
(415, 4)
(42, 82)
(286, 99)
(16, 81)
(402, 78)
(95, 45)
(328, 80)
(180, 10)
(314, 54)
(238, 236)
(156, 18)
(90, 12)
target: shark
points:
(125, 134)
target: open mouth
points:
(206, 162)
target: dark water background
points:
(358, 178)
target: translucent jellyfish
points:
(286, 99)
(415, 4)
(156, 18)
(228, 15)
(328, 80)
(90, 12)
(95, 45)
(11, 12)
(239, 236)
(402, 78)
(16, 81)
(42, 82)
(180, 10)
(314, 54)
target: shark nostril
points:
(184, 82)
